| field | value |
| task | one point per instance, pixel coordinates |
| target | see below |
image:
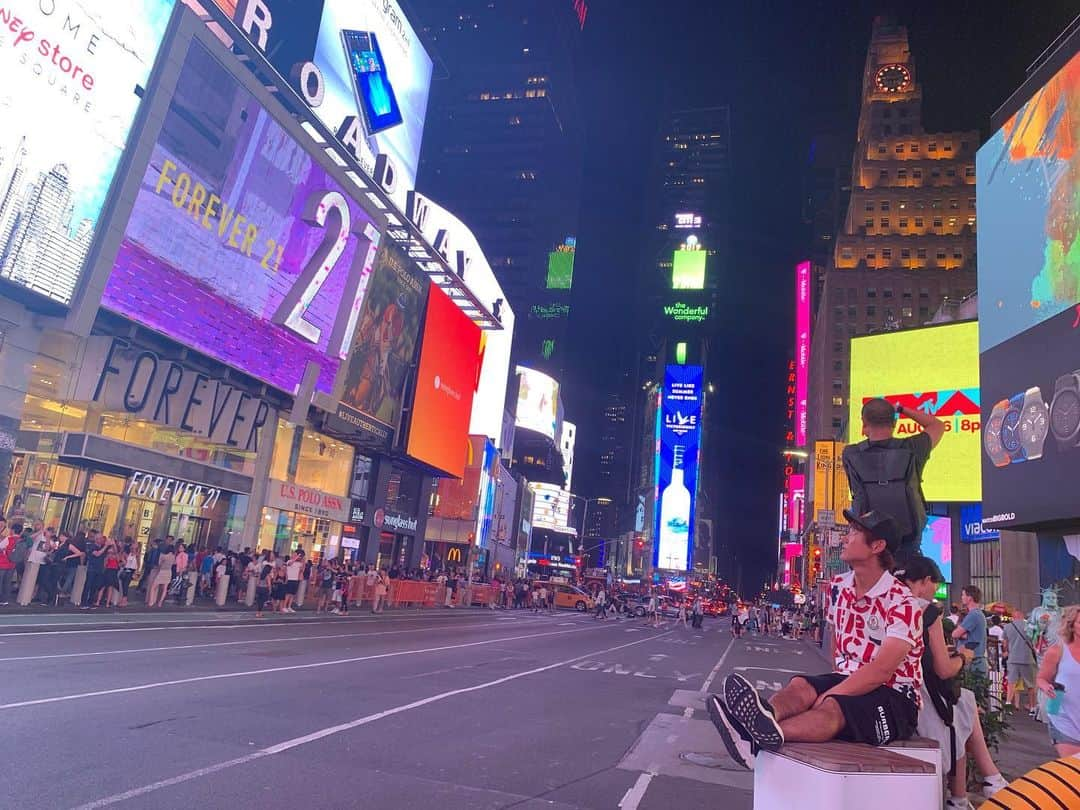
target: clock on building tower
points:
(892, 78)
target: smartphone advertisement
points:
(373, 63)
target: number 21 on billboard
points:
(329, 210)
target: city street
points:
(449, 710)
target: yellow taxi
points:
(568, 596)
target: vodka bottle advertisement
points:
(679, 439)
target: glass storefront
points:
(284, 532)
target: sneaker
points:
(953, 803)
(746, 706)
(738, 743)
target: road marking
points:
(768, 686)
(760, 669)
(314, 736)
(274, 640)
(657, 657)
(151, 627)
(688, 712)
(635, 794)
(269, 670)
(716, 670)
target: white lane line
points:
(273, 640)
(253, 623)
(761, 669)
(292, 668)
(636, 793)
(716, 670)
(361, 721)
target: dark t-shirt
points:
(95, 562)
(920, 445)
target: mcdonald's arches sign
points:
(454, 554)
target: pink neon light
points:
(802, 349)
(796, 499)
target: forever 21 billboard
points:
(241, 243)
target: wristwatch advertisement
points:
(1034, 424)
(992, 435)
(1065, 410)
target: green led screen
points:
(560, 274)
(687, 270)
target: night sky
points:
(789, 71)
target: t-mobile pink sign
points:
(802, 348)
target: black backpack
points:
(885, 477)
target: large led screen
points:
(937, 543)
(1029, 308)
(936, 370)
(375, 69)
(688, 270)
(72, 74)
(450, 358)
(802, 349)
(537, 402)
(385, 339)
(560, 270)
(240, 244)
(677, 465)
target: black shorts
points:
(292, 586)
(876, 718)
(261, 597)
(278, 591)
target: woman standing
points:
(159, 584)
(682, 613)
(382, 584)
(127, 571)
(948, 715)
(1059, 681)
(110, 589)
(181, 565)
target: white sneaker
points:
(991, 786)
(954, 803)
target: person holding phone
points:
(1059, 681)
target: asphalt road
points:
(471, 709)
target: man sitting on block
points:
(873, 694)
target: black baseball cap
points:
(878, 525)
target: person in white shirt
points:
(293, 569)
(601, 604)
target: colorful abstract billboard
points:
(802, 349)
(385, 340)
(74, 73)
(537, 403)
(1029, 308)
(688, 269)
(560, 270)
(934, 369)
(450, 358)
(937, 543)
(677, 465)
(240, 243)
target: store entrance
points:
(193, 532)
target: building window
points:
(869, 205)
(903, 222)
(884, 205)
(957, 253)
(941, 255)
(906, 295)
(906, 312)
(932, 147)
(838, 347)
(899, 149)
(883, 174)
(837, 385)
(871, 292)
(971, 203)
(919, 222)
(916, 174)
(869, 223)
(948, 146)
(884, 222)
(851, 312)
(937, 222)
(852, 294)
(871, 255)
(924, 292)
(950, 172)
(963, 146)
(920, 253)
(935, 174)
(905, 253)
(838, 402)
(871, 311)
(901, 174)
(838, 313)
(971, 221)
(837, 423)
(914, 147)
(887, 292)
(969, 171)
(838, 365)
(881, 149)
(886, 253)
(954, 205)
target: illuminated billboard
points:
(937, 543)
(1029, 292)
(933, 369)
(681, 312)
(376, 76)
(73, 74)
(446, 380)
(560, 270)
(240, 243)
(688, 269)
(551, 508)
(537, 403)
(831, 493)
(679, 439)
(385, 340)
(802, 349)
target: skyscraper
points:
(908, 241)
(503, 149)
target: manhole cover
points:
(705, 760)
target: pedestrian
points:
(451, 588)
(543, 596)
(875, 706)
(180, 568)
(601, 604)
(206, 575)
(7, 564)
(161, 578)
(95, 569)
(110, 587)
(68, 556)
(996, 633)
(972, 629)
(324, 586)
(382, 584)
(948, 713)
(264, 571)
(1059, 681)
(1020, 670)
(278, 588)
(149, 568)
(127, 571)
(682, 614)
(41, 553)
(885, 474)
(294, 568)
(698, 612)
(954, 615)
(342, 588)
